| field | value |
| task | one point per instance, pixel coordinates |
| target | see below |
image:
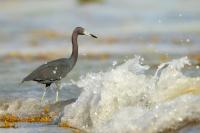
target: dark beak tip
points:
(93, 36)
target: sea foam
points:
(126, 99)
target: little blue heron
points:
(54, 71)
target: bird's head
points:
(82, 31)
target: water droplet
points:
(86, 126)
(180, 15)
(54, 71)
(187, 40)
(180, 119)
(56, 68)
(156, 106)
(114, 63)
(197, 67)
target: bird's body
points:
(50, 72)
(54, 71)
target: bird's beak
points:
(88, 34)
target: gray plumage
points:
(54, 71)
(50, 72)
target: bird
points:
(54, 71)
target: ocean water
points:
(131, 26)
(122, 97)
(111, 88)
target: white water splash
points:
(21, 107)
(124, 99)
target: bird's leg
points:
(58, 87)
(44, 93)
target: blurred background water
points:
(34, 32)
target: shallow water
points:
(36, 128)
(109, 90)
(131, 26)
(114, 90)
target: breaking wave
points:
(126, 99)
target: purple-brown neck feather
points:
(74, 55)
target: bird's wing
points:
(51, 71)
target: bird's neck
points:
(74, 54)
